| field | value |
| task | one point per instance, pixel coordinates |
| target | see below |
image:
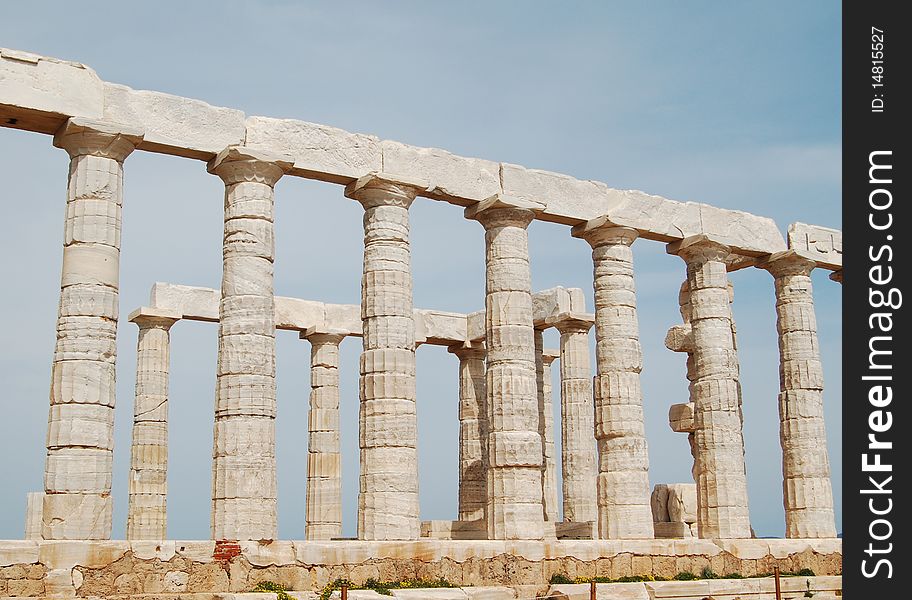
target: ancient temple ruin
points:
(508, 496)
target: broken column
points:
(514, 443)
(323, 511)
(623, 460)
(244, 469)
(543, 360)
(148, 483)
(578, 448)
(33, 508)
(473, 431)
(807, 490)
(80, 439)
(388, 496)
(722, 510)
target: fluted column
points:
(578, 448)
(323, 512)
(244, 469)
(148, 484)
(388, 496)
(80, 438)
(543, 360)
(624, 509)
(722, 510)
(473, 430)
(806, 486)
(514, 443)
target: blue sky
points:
(735, 104)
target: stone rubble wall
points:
(120, 568)
(39, 93)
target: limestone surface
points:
(543, 360)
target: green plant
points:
(805, 573)
(685, 576)
(269, 586)
(708, 573)
(733, 576)
(559, 579)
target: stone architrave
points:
(244, 469)
(473, 431)
(578, 446)
(388, 495)
(323, 512)
(623, 494)
(722, 505)
(806, 486)
(148, 484)
(514, 442)
(80, 439)
(543, 360)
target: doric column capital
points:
(503, 211)
(571, 322)
(549, 355)
(789, 262)
(836, 276)
(321, 338)
(602, 232)
(699, 249)
(384, 189)
(154, 318)
(80, 137)
(468, 350)
(239, 164)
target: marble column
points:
(722, 506)
(578, 448)
(323, 512)
(80, 437)
(388, 496)
(244, 469)
(33, 508)
(148, 483)
(543, 360)
(514, 443)
(473, 430)
(806, 486)
(623, 494)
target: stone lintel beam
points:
(823, 244)
(549, 355)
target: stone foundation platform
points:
(120, 568)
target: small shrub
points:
(635, 578)
(685, 576)
(734, 576)
(560, 579)
(805, 573)
(269, 586)
(708, 573)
